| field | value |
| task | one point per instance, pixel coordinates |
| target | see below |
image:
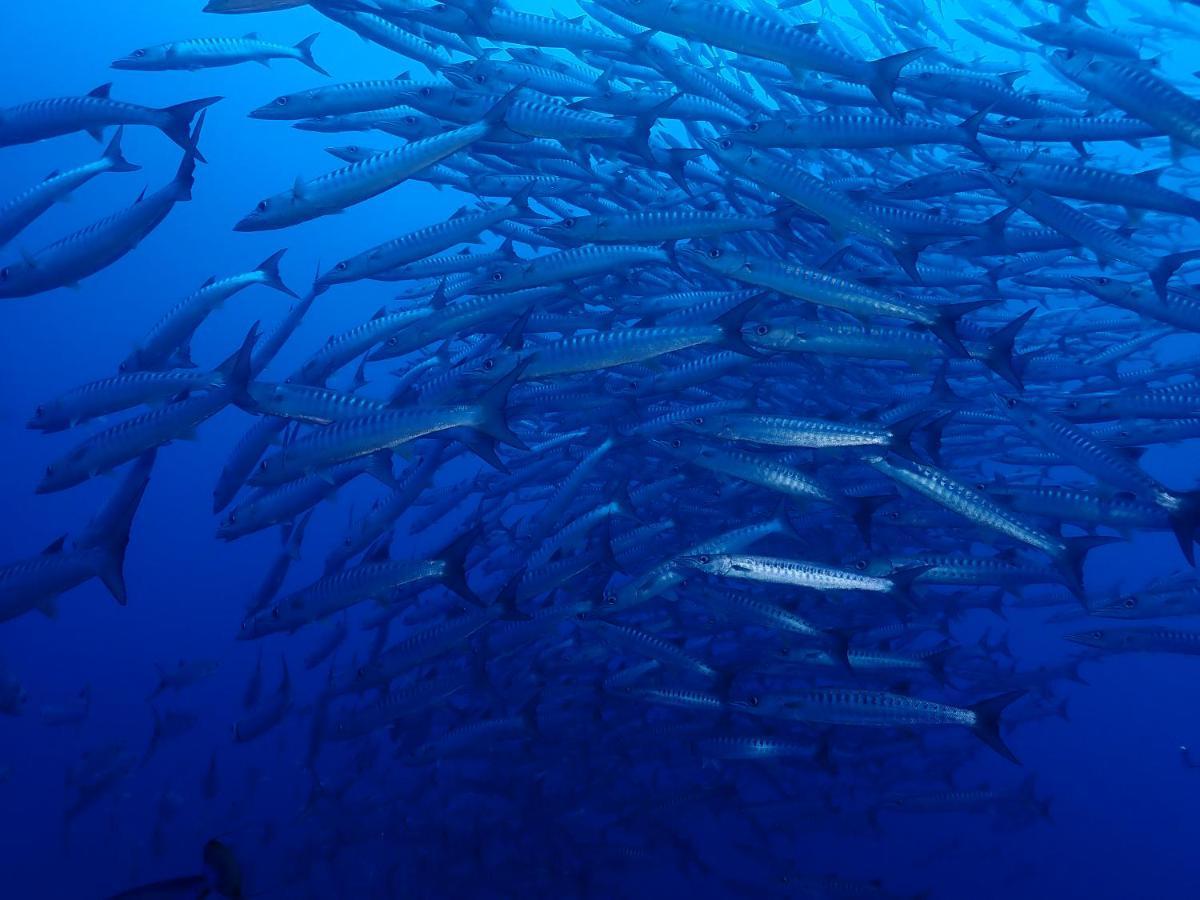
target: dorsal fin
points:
(103, 91)
(212, 279)
(55, 546)
(251, 35)
(380, 313)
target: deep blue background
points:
(1123, 806)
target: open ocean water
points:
(727, 553)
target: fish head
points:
(1111, 639)
(505, 276)
(15, 278)
(712, 256)
(49, 417)
(719, 425)
(144, 58)
(704, 562)
(64, 473)
(571, 229)
(1102, 287)
(289, 106)
(271, 212)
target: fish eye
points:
(1074, 404)
(1130, 603)
(262, 466)
(340, 267)
(497, 277)
(1009, 123)
(39, 412)
(4, 274)
(281, 101)
(1010, 181)
(1103, 280)
(49, 470)
(425, 92)
(1097, 635)
(233, 517)
(980, 486)
(726, 144)
(705, 559)
(699, 420)
(362, 672)
(761, 330)
(754, 701)
(245, 625)
(138, 54)
(262, 206)
(480, 79)
(714, 253)
(568, 223)
(610, 599)
(410, 120)
(274, 612)
(393, 340)
(489, 364)
(754, 126)
(1123, 433)
(861, 565)
(676, 443)
(1011, 402)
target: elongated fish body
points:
(34, 583)
(27, 206)
(383, 515)
(792, 431)
(385, 33)
(1140, 639)
(795, 573)
(41, 119)
(577, 262)
(857, 132)
(337, 190)
(791, 182)
(210, 53)
(176, 327)
(69, 260)
(394, 706)
(314, 405)
(107, 449)
(1178, 309)
(1077, 130)
(99, 398)
(339, 591)
(1177, 401)
(604, 350)
(654, 226)
(417, 245)
(274, 506)
(1136, 90)
(343, 348)
(839, 706)
(967, 502)
(755, 469)
(98, 552)
(337, 100)
(423, 645)
(755, 747)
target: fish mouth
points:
(125, 62)
(249, 223)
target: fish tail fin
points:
(492, 420)
(304, 48)
(970, 128)
(454, 561)
(379, 467)
(237, 369)
(781, 519)
(521, 201)
(919, 423)
(987, 722)
(269, 269)
(155, 736)
(507, 598)
(643, 125)
(906, 258)
(496, 116)
(936, 661)
(116, 159)
(883, 75)
(945, 325)
(998, 356)
(1166, 267)
(1072, 560)
(837, 645)
(1184, 522)
(113, 538)
(185, 176)
(179, 123)
(862, 511)
(902, 583)
(731, 322)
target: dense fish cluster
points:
(767, 356)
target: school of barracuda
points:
(753, 328)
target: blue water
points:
(1123, 806)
